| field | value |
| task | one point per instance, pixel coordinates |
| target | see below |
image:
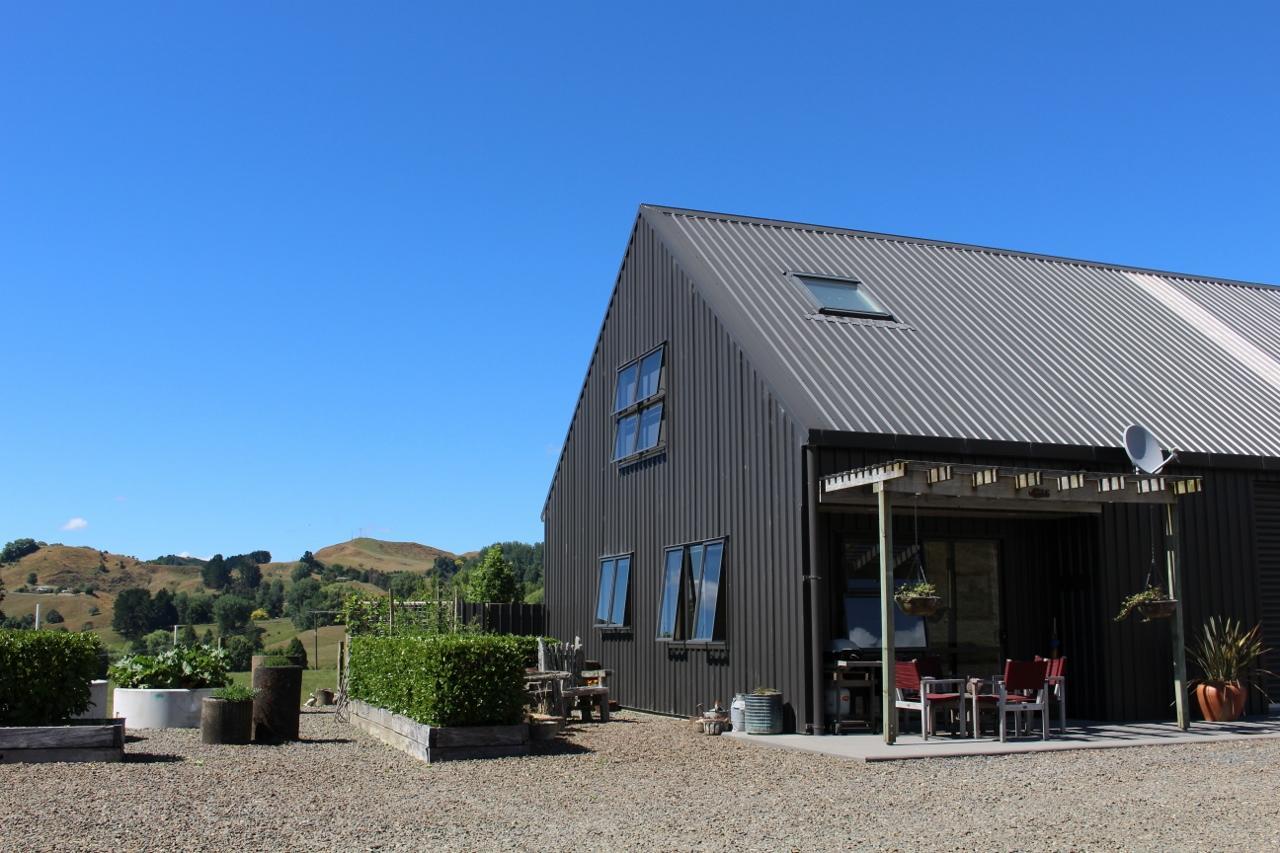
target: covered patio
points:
(1078, 736)
(943, 490)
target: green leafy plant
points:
(278, 658)
(186, 668)
(45, 675)
(766, 691)
(1226, 653)
(1150, 595)
(235, 693)
(442, 680)
(915, 589)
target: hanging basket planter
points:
(1162, 609)
(919, 605)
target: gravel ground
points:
(639, 782)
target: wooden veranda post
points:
(1173, 557)
(888, 715)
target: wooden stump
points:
(226, 722)
(278, 703)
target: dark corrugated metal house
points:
(742, 361)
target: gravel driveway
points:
(637, 783)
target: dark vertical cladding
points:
(1071, 573)
(732, 467)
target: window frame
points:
(884, 314)
(625, 625)
(686, 600)
(636, 408)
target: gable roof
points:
(990, 344)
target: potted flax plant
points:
(1228, 658)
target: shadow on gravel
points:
(133, 738)
(558, 747)
(151, 758)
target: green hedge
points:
(45, 675)
(442, 680)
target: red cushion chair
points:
(917, 688)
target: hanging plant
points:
(1151, 603)
(918, 598)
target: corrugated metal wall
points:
(1266, 501)
(1078, 569)
(732, 468)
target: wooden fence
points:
(527, 619)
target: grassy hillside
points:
(375, 554)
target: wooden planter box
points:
(92, 740)
(439, 743)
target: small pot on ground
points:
(227, 716)
(1221, 701)
(277, 703)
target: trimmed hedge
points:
(442, 680)
(45, 675)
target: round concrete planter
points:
(160, 709)
(97, 701)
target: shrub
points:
(240, 651)
(442, 680)
(176, 668)
(53, 617)
(277, 659)
(45, 675)
(235, 693)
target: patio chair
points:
(917, 688)
(1024, 689)
(1057, 675)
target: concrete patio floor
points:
(871, 747)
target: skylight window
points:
(843, 297)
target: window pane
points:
(695, 582)
(626, 386)
(650, 372)
(650, 427)
(862, 624)
(670, 594)
(621, 576)
(625, 444)
(709, 597)
(841, 295)
(606, 591)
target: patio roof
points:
(999, 488)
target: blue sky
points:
(276, 274)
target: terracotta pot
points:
(1221, 701)
(923, 605)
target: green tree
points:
(270, 597)
(300, 572)
(32, 579)
(53, 617)
(132, 617)
(164, 613)
(231, 613)
(206, 639)
(1, 598)
(216, 574)
(297, 653)
(156, 642)
(187, 636)
(17, 549)
(240, 651)
(494, 580)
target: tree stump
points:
(278, 703)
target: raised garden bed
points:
(439, 743)
(87, 740)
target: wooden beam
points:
(1188, 487)
(945, 503)
(888, 670)
(1147, 485)
(1111, 484)
(985, 477)
(864, 476)
(939, 474)
(1067, 482)
(1027, 480)
(1173, 557)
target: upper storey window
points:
(843, 297)
(638, 405)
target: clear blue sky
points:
(273, 277)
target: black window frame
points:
(625, 625)
(686, 622)
(637, 407)
(858, 284)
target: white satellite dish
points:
(1144, 450)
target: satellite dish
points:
(1144, 450)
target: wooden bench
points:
(575, 689)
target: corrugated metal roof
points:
(991, 344)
